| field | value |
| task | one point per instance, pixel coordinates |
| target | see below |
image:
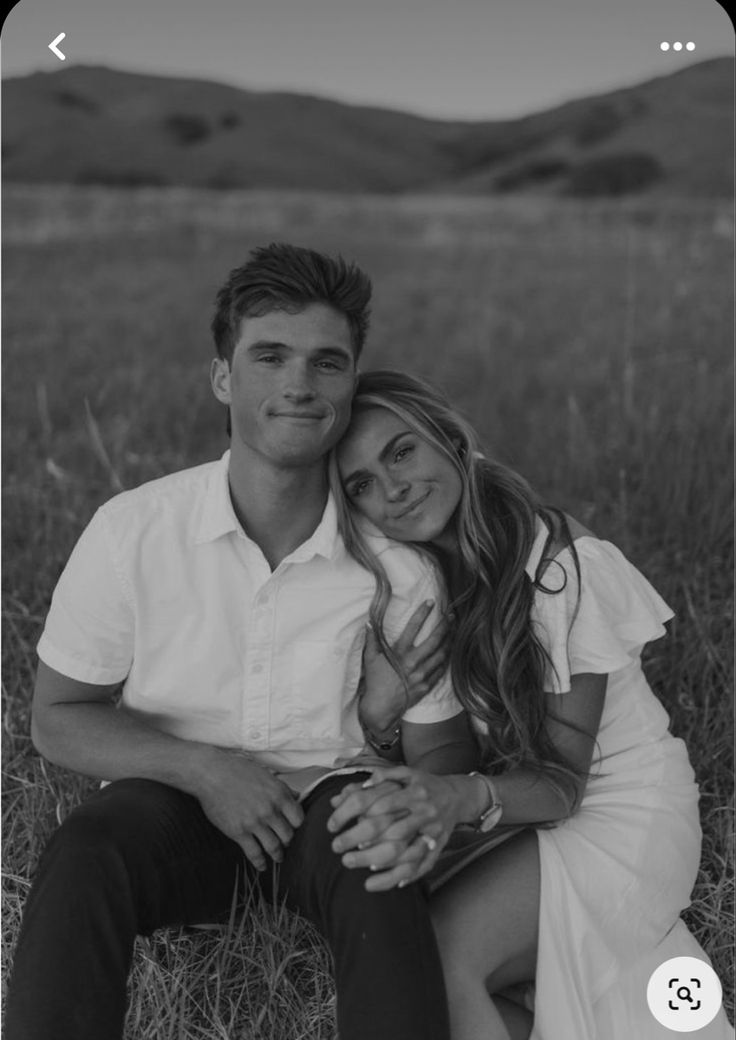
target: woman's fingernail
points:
(403, 883)
(372, 866)
(429, 603)
(368, 783)
(363, 845)
(348, 860)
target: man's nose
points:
(298, 384)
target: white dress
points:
(616, 875)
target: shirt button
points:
(257, 669)
(255, 734)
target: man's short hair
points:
(290, 278)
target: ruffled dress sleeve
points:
(602, 629)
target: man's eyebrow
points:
(275, 344)
(340, 352)
(268, 344)
(385, 450)
(259, 344)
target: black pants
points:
(139, 855)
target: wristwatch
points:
(387, 744)
(493, 812)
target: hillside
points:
(671, 136)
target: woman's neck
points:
(448, 550)
(447, 542)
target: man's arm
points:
(77, 725)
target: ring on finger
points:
(429, 841)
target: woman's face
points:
(406, 487)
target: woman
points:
(549, 624)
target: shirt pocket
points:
(323, 693)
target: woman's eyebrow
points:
(357, 475)
(385, 450)
(390, 445)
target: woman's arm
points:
(546, 796)
(441, 747)
(400, 803)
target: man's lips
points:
(299, 416)
(414, 505)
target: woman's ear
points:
(220, 379)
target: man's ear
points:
(220, 379)
(356, 380)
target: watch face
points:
(490, 818)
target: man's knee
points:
(108, 834)
(314, 871)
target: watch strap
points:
(492, 813)
(385, 743)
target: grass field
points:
(590, 343)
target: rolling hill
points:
(672, 136)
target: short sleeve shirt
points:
(166, 594)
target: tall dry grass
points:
(591, 345)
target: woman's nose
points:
(396, 489)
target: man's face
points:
(289, 385)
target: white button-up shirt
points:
(165, 593)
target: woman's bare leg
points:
(517, 1020)
(486, 921)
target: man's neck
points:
(278, 508)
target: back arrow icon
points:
(55, 49)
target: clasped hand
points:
(395, 824)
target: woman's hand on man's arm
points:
(386, 694)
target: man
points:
(222, 607)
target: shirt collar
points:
(535, 555)
(218, 518)
(325, 541)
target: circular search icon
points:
(684, 994)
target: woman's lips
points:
(414, 505)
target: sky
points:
(465, 59)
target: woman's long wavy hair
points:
(498, 665)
